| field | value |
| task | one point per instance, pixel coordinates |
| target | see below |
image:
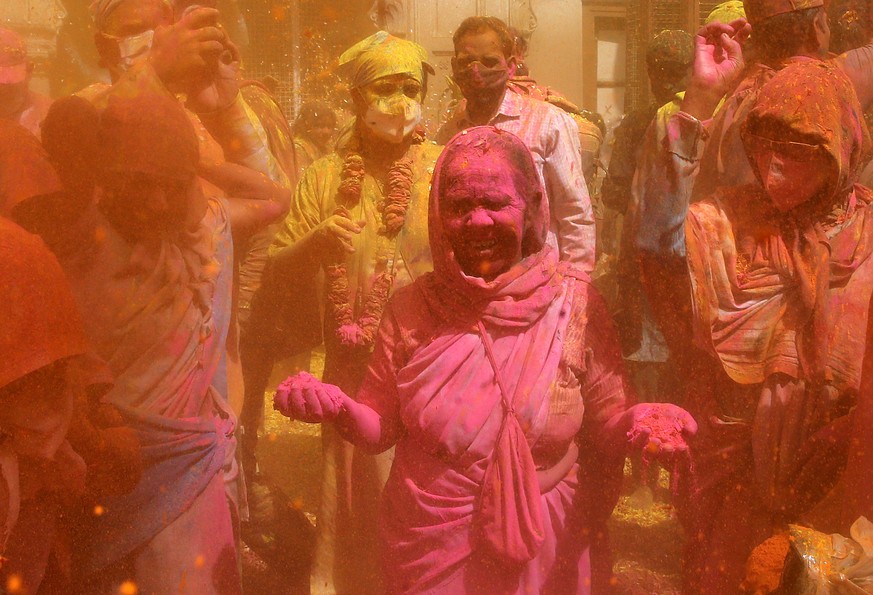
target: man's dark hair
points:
(476, 25)
(785, 35)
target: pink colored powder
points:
(299, 382)
(664, 430)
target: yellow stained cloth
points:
(382, 55)
(352, 481)
(590, 136)
(726, 12)
(315, 200)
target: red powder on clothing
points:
(765, 564)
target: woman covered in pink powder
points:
(499, 379)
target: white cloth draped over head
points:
(101, 9)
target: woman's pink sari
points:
(431, 377)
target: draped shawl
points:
(159, 316)
(749, 277)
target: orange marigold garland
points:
(362, 332)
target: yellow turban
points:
(726, 12)
(382, 55)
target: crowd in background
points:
(504, 319)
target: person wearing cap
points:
(669, 57)
(360, 215)
(17, 101)
(482, 66)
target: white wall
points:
(555, 57)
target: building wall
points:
(38, 22)
(556, 47)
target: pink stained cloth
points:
(431, 381)
(159, 316)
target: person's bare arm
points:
(372, 420)
(254, 201)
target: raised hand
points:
(188, 48)
(305, 398)
(218, 91)
(338, 231)
(661, 431)
(718, 62)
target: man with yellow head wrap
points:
(360, 215)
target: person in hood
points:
(770, 283)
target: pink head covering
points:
(815, 102)
(521, 294)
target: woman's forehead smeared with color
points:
(499, 154)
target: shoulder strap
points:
(489, 351)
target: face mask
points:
(790, 173)
(481, 80)
(393, 119)
(134, 47)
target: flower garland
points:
(362, 332)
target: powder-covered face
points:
(483, 214)
(790, 173)
(480, 68)
(390, 107)
(322, 132)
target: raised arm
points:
(664, 200)
(253, 200)
(371, 422)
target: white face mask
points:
(132, 48)
(393, 119)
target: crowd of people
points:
(501, 332)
